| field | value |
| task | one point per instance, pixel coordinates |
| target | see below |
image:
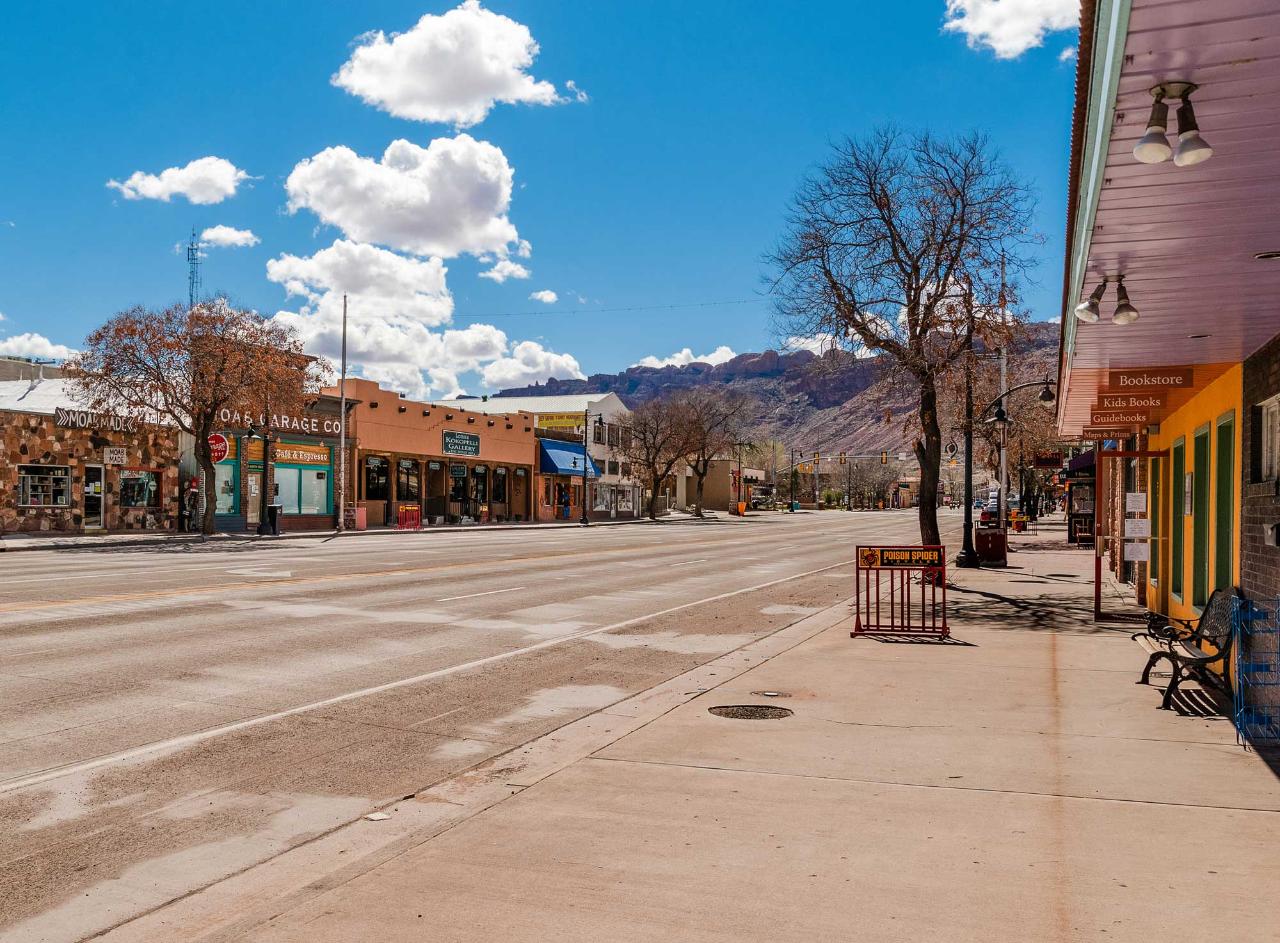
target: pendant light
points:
(1192, 148)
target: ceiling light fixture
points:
(1153, 147)
(1125, 312)
(1269, 256)
(1087, 311)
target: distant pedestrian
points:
(191, 506)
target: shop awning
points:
(563, 458)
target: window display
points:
(139, 489)
(44, 485)
(224, 482)
(377, 486)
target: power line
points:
(584, 310)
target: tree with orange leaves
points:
(184, 365)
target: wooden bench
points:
(1180, 642)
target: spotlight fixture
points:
(1087, 311)
(1192, 148)
(1125, 312)
(1153, 147)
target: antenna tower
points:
(193, 269)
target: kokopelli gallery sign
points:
(1149, 378)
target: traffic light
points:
(817, 457)
(884, 458)
(842, 458)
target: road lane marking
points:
(689, 562)
(209, 733)
(492, 592)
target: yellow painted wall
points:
(1224, 395)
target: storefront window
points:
(500, 485)
(614, 435)
(224, 486)
(139, 489)
(44, 485)
(408, 480)
(302, 490)
(288, 482)
(377, 486)
(481, 475)
(457, 482)
(546, 491)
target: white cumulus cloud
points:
(203, 181)
(546, 296)
(33, 345)
(1068, 54)
(398, 311)
(529, 363)
(228, 236)
(451, 68)
(1010, 27)
(505, 269)
(445, 199)
(721, 354)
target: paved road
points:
(172, 716)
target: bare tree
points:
(654, 438)
(185, 365)
(714, 426)
(882, 243)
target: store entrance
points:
(253, 506)
(93, 497)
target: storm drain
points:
(751, 712)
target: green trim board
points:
(1224, 502)
(1200, 518)
(1177, 521)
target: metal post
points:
(968, 556)
(793, 476)
(1004, 451)
(342, 427)
(586, 463)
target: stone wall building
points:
(64, 469)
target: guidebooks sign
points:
(461, 443)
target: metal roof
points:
(39, 396)
(571, 403)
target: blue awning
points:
(563, 458)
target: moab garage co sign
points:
(1149, 378)
(461, 443)
(890, 558)
(219, 447)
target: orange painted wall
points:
(406, 427)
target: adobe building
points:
(453, 464)
(67, 470)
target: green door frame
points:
(1224, 501)
(1201, 478)
(1177, 520)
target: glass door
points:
(94, 497)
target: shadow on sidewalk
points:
(1043, 612)
(896, 639)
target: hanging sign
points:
(1048, 460)
(219, 447)
(1091, 432)
(1132, 417)
(461, 443)
(293, 453)
(1113, 401)
(114, 456)
(1144, 378)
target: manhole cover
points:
(770, 693)
(751, 711)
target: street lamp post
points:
(586, 459)
(794, 474)
(968, 556)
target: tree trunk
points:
(208, 486)
(701, 481)
(653, 498)
(929, 455)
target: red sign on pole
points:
(902, 610)
(218, 447)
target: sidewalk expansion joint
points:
(941, 786)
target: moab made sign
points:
(900, 558)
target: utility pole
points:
(342, 427)
(794, 474)
(586, 463)
(968, 556)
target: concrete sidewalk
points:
(1013, 785)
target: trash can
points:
(274, 513)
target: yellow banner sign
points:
(559, 420)
(910, 558)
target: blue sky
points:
(659, 177)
